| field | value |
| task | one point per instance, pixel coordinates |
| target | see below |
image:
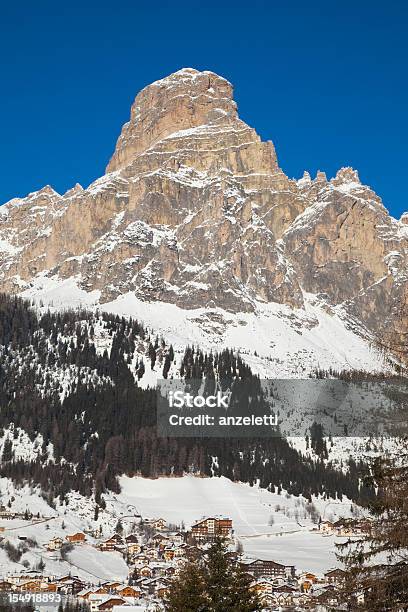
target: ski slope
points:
(289, 540)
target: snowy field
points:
(308, 551)
(289, 540)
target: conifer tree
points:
(212, 584)
(376, 578)
(227, 586)
(187, 592)
(219, 577)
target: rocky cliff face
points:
(194, 211)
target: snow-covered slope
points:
(289, 540)
(275, 340)
(292, 539)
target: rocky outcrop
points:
(182, 101)
(194, 210)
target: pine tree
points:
(187, 591)
(166, 366)
(376, 578)
(243, 599)
(227, 586)
(41, 565)
(213, 584)
(218, 578)
(7, 450)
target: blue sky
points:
(326, 81)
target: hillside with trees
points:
(83, 408)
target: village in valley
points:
(154, 551)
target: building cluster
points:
(8, 514)
(290, 590)
(155, 552)
(345, 528)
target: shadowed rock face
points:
(194, 210)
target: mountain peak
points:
(77, 188)
(321, 177)
(196, 214)
(191, 76)
(346, 175)
(183, 100)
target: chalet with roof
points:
(156, 523)
(151, 553)
(55, 544)
(134, 548)
(29, 586)
(5, 585)
(76, 538)
(309, 576)
(349, 527)
(150, 584)
(208, 529)
(284, 600)
(343, 528)
(177, 537)
(326, 527)
(129, 591)
(335, 576)
(111, 543)
(160, 538)
(145, 571)
(301, 600)
(169, 554)
(112, 585)
(101, 590)
(141, 559)
(17, 578)
(132, 538)
(326, 596)
(179, 551)
(262, 586)
(105, 602)
(268, 600)
(8, 514)
(261, 568)
(85, 593)
(284, 588)
(70, 585)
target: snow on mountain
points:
(197, 231)
(275, 340)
